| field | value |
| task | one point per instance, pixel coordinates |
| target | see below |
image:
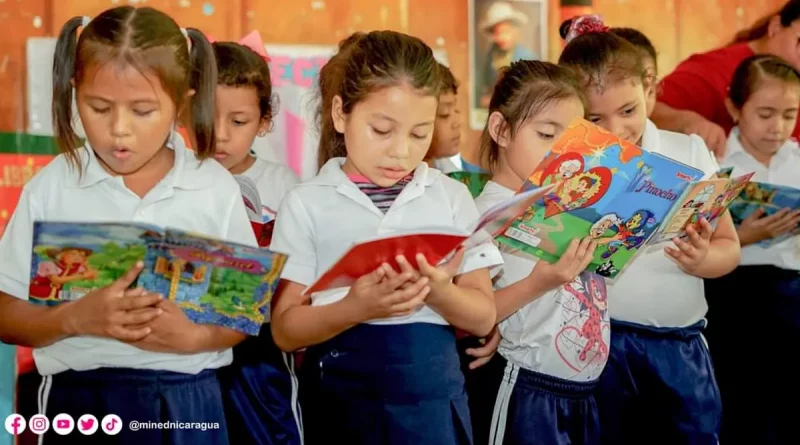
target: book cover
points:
(604, 187)
(702, 199)
(770, 198)
(213, 282)
(475, 181)
(437, 244)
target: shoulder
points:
(208, 175)
(689, 149)
(491, 195)
(275, 176)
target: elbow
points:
(282, 340)
(487, 322)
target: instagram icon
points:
(15, 424)
(39, 424)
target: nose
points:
(617, 128)
(400, 148)
(120, 126)
(221, 130)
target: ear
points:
(190, 93)
(264, 127)
(774, 26)
(498, 129)
(338, 115)
(735, 113)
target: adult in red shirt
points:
(692, 98)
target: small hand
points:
(375, 295)
(689, 254)
(758, 227)
(576, 259)
(406, 268)
(485, 353)
(171, 332)
(442, 274)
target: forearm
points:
(25, 324)
(303, 325)
(216, 338)
(465, 308)
(723, 256)
(511, 298)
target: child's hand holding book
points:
(385, 293)
(691, 252)
(757, 227)
(579, 254)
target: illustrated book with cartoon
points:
(606, 188)
(212, 281)
(760, 195)
(475, 181)
(436, 243)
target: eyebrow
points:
(137, 101)
(547, 122)
(627, 105)
(391, 119)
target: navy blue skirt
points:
(658, 388)
(261, 395)
(397, 384)
(137, 395)
(531, 408)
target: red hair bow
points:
(585, 24)
(252, 41)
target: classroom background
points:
(300, 36)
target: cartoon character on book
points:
(752, 192)
(630, 234)
(68, 264)
(576, 188)
(580, 342)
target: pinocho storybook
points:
(606, 188)
(212, 281)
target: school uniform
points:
(260, 388)
(548, 360)
(390, 381)
(102, 376)
(659, 386)
(771, 274)
(448, 165)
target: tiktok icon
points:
(111, 424)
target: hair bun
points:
(584, 24)
(563, 30)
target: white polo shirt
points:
(320, 219)
(194, 196)
(652, 290)
(273, 181)
(545, 335)
(784, 169)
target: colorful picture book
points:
(606, 188)
(769, 197)
(475, 181)
(702, 199)
(214, 282)
(436, 243)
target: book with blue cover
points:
(606, 188)
(213, 282)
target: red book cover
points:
(435, 244)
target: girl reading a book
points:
(446, 142)
(549, 359)
(381, 364)
(259, 388)
(659, 384)
(649, 59)
(118, 349)
(763, 101)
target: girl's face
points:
(768, 117)
(387, 134)
(784, 42)
(620, 108)
(536, 136)
(447, 130)
(238, 122)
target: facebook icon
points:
(15, 424)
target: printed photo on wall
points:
(501, 32)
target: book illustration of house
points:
(178, 279)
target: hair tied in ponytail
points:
(85, 21)
(585, 24)
(188, 39)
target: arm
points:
(467, 302)
(16, 327)
(511, 298)
(210, 338)
(724, 251)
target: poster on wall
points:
(501, 32)
(294, 136)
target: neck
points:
(242, 167)
(762, 158)
(760, 46)
(151, 173)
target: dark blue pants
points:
(481, 394)
(753, 323)
(140, 395)
(658, 387)
(536, 409)
(260, 394)
(378, 385)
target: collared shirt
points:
(784, 169)
(320, 219)
(652, 290)
(194, 196)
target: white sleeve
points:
(294, 236)
(239, 229)
(703, 157)
(16, 248)
(465, 215)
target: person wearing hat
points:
(501, 24)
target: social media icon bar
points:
(63, 424)
(39, 424)
(15, 424)
(111, 424)
(87, 424)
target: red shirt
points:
(700, 84)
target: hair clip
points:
(86, 21)
(188, 39)
(254, 42)
(585, 24)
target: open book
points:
(436, 243)
(606, 188)
(214, 282)
(760, 195)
